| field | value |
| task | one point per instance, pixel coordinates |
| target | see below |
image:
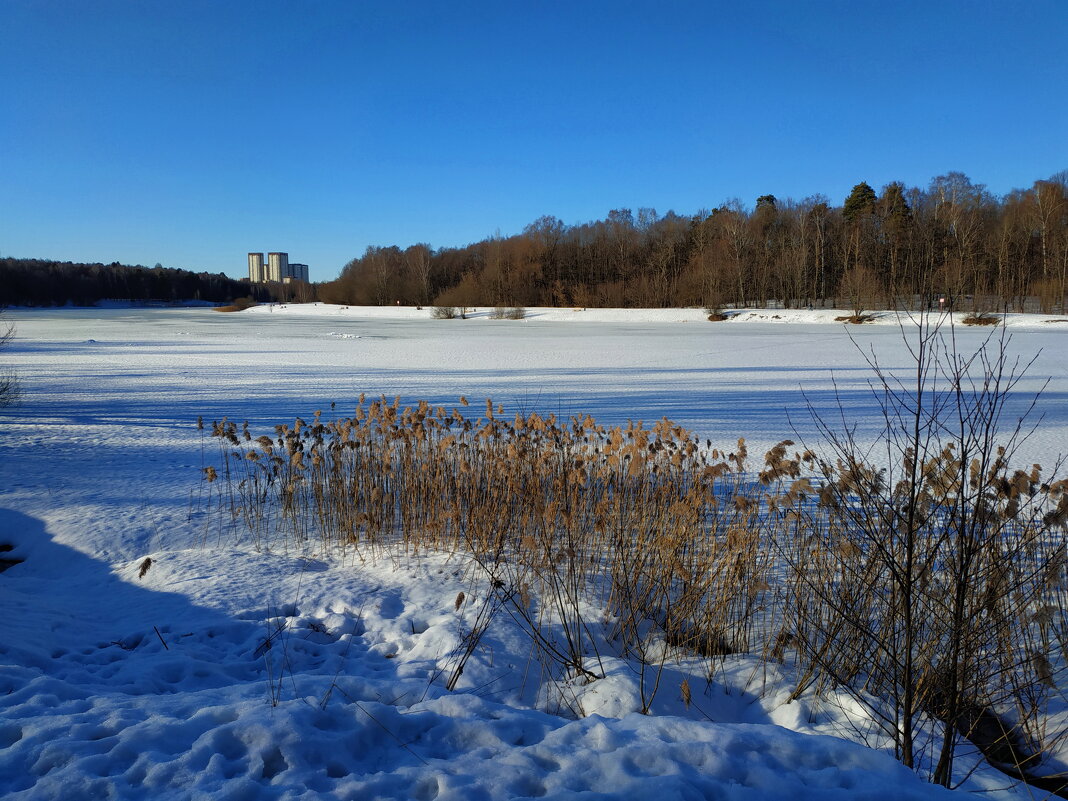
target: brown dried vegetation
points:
(932, 590)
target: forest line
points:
(899, 247)
(44, 282)
(954, 239)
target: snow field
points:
(352, 709)
(101, 468)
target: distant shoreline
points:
(629, 315)
(549, 314)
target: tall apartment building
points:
(277, 269)
(255, 268)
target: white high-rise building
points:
(277, 269)
(255, 268)
(277, 266)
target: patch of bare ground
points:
(855, 319)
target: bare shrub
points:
(1051, 295)
(444, 312)
(10, 389)
(918, 583)
(508, 313)
(715, 313)
(859, 285)
(9, 383)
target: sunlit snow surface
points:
(100, 467)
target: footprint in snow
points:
(391, 606)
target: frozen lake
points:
(122, 388)
(164, 367)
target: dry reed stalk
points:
(669, 535)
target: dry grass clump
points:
(715, 313)
(855, 319)
(647, 522)
(238, 305)
(981, 319)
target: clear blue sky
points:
(191, 132)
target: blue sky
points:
(188, 133)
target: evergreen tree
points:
(861, 201)
(892, 206)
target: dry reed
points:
(810, 560)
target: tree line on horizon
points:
(41, 282)
(901, 246)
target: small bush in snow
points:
(508, 313)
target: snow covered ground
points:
(227, 673)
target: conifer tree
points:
(860, 201)
(893, 207)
